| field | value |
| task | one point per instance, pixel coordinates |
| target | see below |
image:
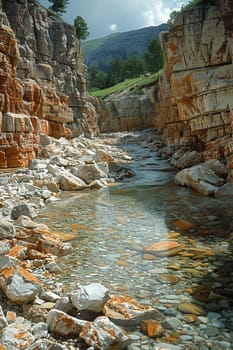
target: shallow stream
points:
(112, 226)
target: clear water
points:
(112, 226)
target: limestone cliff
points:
(127, 111)
(42, 81)
(196, 91)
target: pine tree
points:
(154, 56)
(59, 6)
(81, 28)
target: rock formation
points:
(196, 90)
(42, 81)
(127, 111)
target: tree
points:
(81, 28)
(134, 67)
(59, 6)
(189, 5)
(154, 56)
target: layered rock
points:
(127, 111)
(42, 81)
(196, 90)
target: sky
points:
(104, 17)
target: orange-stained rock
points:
(16, 337)
(149, 257)
(183, 224)
(18, 251)
(19, 285)
(164, 248)
(195, 95)
(152, 328)
(102, 334)
(44, 241)
(123, 310)
(40, 81)
(190, 318)
(171, 279)
(200, 251)
(63, 324)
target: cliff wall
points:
(127, 111)
(42, 81)
(195, 109)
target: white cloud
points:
(128, 14)
(157, 14)
(113, 27)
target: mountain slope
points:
(101, 52)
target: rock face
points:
(125, 111)
(195, 97)
(42, 81)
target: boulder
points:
(125, 311)
(69, 182)
(7, 229)
(27, 222)
(91, 297)
(4, 247)
(63, 324)
(88, 172)
(200, 178)
(40, 330)
(188, 159)
(38, 164)
(26, 209)
(102, 334)
(7, 261)
(19, 285)
(104, 156)
(16, 337)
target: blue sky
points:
(108, 16)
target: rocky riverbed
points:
(40, 310)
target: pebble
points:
(211, 331)
(172, 323)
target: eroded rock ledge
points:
(196, 90)
(42, 81)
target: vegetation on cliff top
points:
(189, 5)
(133, 67)
(134, 85)
(58, 6)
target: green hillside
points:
(101, 52)
(134, 85)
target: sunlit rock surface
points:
(196, 89)
(42, 82)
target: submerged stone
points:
(191, 308)
(164, 248)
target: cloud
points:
(157, 14)
(103, 15)
(113, 27)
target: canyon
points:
(43, 83)
(78, 206)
